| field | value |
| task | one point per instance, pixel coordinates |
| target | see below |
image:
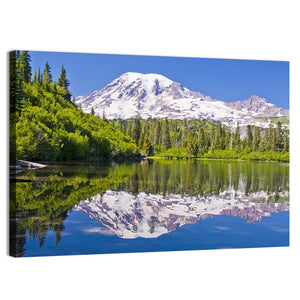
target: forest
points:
(204, 139)
(46, 124)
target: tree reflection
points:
(38, 206)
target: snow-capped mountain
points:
(153, 95)
(149, 215)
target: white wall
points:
(254, 29)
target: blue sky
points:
(222, 79)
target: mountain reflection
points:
(142, 200)
(149, 216)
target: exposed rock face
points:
(260, 106)
(152, 95)
(149, 216)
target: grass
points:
(226, 155)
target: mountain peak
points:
(147, 80)
(257, 99)
(258, 105)
(156, 96)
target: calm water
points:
(151, 206)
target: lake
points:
(156, 205)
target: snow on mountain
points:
(153, 95)
(258, 105)
(149, 215)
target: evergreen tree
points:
(279, 136)
(157, 136)
(274, 142)
(249, 136)
(147, 147)
(211, 139)
(237, 138)
(40, 77)
(227, 139)
(62, 80)
(129, 129)
(286, 144)
(256, 139)
(184, 135)
(166, 142)
(20, 73)
(264, 142)
(104, 116)
(141, 138)
(193, 146)
(13, 84)
(136, 130)
(35, 78)
(23, 66)
(64, 83)
(47, 77)
(270, 138)
(217, 137)
(201, 140)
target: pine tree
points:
(279, 136)
(136, 130)
(201, 140)
(73, 102)
(35, 79)
(270, 140)
(274, 142)
(219, 140)
(217, 137)
(286, 143)
(13, 85)
(62, 80)
(264, 142)
(256, 139)
(184, 133)
(192, 146)
(249, 136)
(21, 74)
(166, 142)
(47, 77)
(237, 138)
(147, 147)
(23, 66)
(157, 135)
(104, 116)
(211, 138)
(141, 138)
(40, 77)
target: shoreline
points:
(23, 165)
(225, 159)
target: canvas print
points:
(129, 153)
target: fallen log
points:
(21, 165)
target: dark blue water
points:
(158, 206)
(83, 235)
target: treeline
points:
(205, 139)
(45, 124)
